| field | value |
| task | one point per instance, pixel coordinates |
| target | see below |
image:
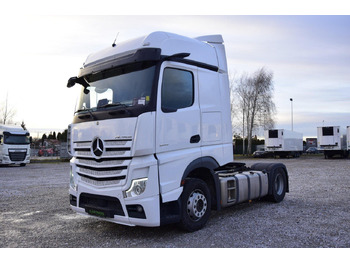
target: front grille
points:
(101, 172)
(17, 156)
(103, 163)
(108, 153)
(108, 168)
(103, 182)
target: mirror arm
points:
(80, 80)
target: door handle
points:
(195, 139)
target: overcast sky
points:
(309, 56)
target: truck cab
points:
(14, 145)
(151, 127)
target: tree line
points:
(62, 137)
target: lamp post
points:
(291, 104)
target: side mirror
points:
(72, 81)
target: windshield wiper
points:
(87, 110)
(112, 105)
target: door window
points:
(177, 89)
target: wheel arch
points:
(203, 168)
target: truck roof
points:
(16, 130)
(204, 49)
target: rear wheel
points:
(279, 185)
(196, 204)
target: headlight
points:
(137, 187)
(72, 183)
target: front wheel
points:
(196, 204)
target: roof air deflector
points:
(214, 39)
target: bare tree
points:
(256, 104)
(6, 113)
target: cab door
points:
(178, 138)
(178, 114)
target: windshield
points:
(16, 139)
(127, 86)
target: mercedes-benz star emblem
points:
(97, 147)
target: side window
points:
(177, 89)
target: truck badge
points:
(97, 147)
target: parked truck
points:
(332, 140)
(151, 138)
(14, 145)
(284, 143)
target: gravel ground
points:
(35, 212)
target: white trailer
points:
(151, 136)
(332, 140)
(284, 142)
(14, 145)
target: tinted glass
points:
(327, 131)
(16, 139)
(273, 133)
(177, 89)
(128, 86)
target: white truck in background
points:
(332, 140)
(14, 145)
(284, 143)
(151, 139)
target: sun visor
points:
(140, 55)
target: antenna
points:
(113, 45)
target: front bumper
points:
(110, 201)
(114, 208)
(5, 160)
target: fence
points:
(58, 150)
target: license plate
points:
(97, 213)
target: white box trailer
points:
(284, 142)
(332, 140)
(14, 145)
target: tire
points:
(278, 185)
(196, 205)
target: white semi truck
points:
(284, 143)
(14, 145)
(151, 139)
(332, 141)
